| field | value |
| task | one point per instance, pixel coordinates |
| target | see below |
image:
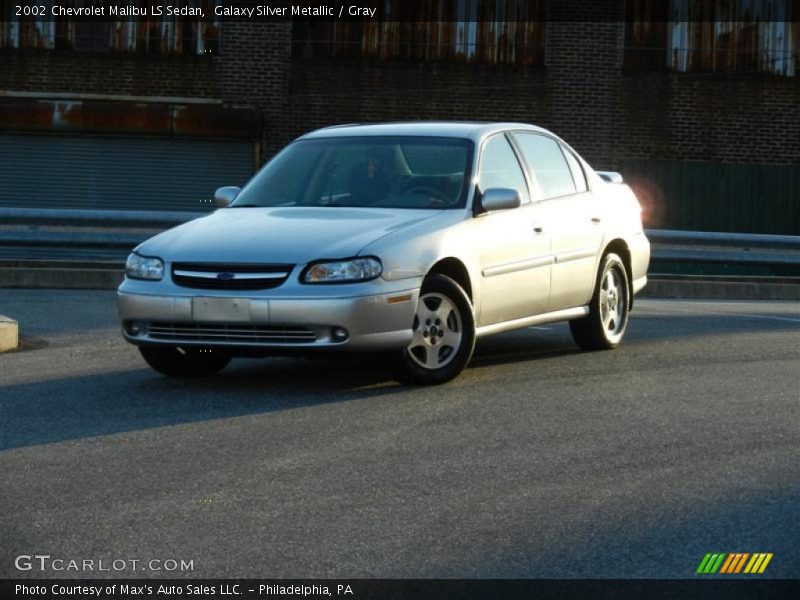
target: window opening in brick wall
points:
(708, 36)
(178, 35)
(465, 31)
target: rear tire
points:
(607, 321)
(444, 334)
(184, 362)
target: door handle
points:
(538, 230)
(596, 220)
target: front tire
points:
(184, 362)
(607, 321)
(444, 334)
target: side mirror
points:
(499, 199)
(225, 195)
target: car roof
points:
(456, 129)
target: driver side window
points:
(335, 171)
(500, 168)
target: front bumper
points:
(371, 322)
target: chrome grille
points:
(242, 333)
(218, 276)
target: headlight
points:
(343, 271)
(144, 267)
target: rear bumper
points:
(372, 322)
(639, 284)
(639, 247)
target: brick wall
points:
(323, 93)
(254, 63)
(251, 69)
(752, 119)
(582, 93)
(583, 63)
(107, 73)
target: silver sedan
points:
(409, 238)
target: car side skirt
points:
(559, 315)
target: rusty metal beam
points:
(129, 118)
(108, 97)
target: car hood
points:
(286, 235)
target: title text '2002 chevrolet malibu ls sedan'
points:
(409, 238)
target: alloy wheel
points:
(437, 332)
(613, 302)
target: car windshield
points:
(387, 172)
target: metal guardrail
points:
(97, 218)
(106, 235)
(727, 248)
(714, 238)
(41, 234)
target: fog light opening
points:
(133, 328)
(340, 334)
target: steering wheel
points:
(434, 193)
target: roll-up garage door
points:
(119, 173)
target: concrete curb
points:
(9, 334)
(721, 289)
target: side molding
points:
(566, 314)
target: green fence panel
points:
(707, 196)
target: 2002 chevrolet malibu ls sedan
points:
(409, 238)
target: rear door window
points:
(550, 168)
(577, 171)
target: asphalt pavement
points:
(538, 461)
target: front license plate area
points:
(221, 310)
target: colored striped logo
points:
(734, 562)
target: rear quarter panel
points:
(624, 221)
